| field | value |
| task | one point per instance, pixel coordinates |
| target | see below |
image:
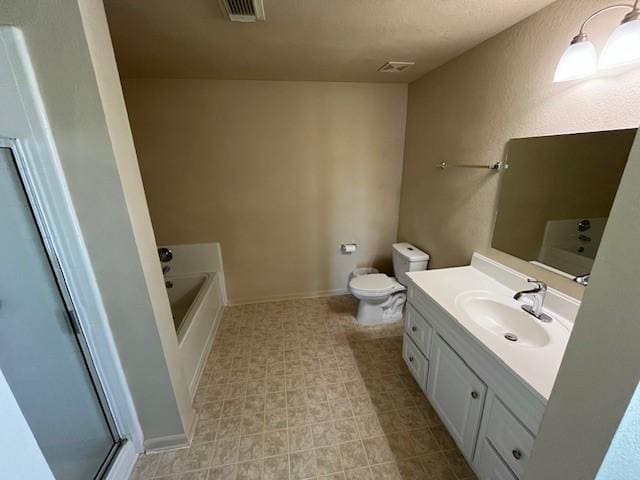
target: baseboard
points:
(195, 381)
(124, 462)
(169, 442)
(293, 296)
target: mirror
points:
(555, 197)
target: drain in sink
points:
(512, 337)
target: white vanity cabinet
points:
(490, 413)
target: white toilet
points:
(381, 297)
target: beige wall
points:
(467, 110)
(126, 163)
(280, 173)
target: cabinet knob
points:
(517, 454)
(411, 359)
(414, 329)
(474, 394)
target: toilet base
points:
(380, 313)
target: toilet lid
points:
(374, 283)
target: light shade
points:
(623, 46)
(578, 61)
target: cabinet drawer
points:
(418, 329)
(416, 361)
(511, 440)
(490, 466)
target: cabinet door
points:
(457, 394)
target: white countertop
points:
(537, 367)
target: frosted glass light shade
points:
(578, 61)
(623, 46)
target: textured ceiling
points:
(334, 40)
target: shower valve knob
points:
(165, 254)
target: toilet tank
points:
(407, 258)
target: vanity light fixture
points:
(622, 48)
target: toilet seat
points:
(375, 284)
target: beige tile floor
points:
(297, 390)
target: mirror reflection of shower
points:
(565, 246)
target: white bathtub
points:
(196, 305)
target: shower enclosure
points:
(43, 353)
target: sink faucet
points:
(537, 294)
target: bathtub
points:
(196, 305)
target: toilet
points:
(382, 297)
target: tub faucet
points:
(583, 279)
(166, 269)
(537, 294)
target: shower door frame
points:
(34, 151)
(62, 285)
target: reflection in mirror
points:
(555, 198)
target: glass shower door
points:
(42, 353)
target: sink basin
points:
(504, 318)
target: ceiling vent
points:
(395, 67)
(243, 10)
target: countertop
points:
(536, 366)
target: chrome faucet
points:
(165, 269)
(537, 294)
(583, 279)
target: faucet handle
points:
(538, 283)
(165, 254)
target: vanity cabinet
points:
(491, 414)
(456, 394)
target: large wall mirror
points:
(555, 197)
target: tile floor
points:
(297, 390)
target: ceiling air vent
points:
(243, 10)
(395, 67)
